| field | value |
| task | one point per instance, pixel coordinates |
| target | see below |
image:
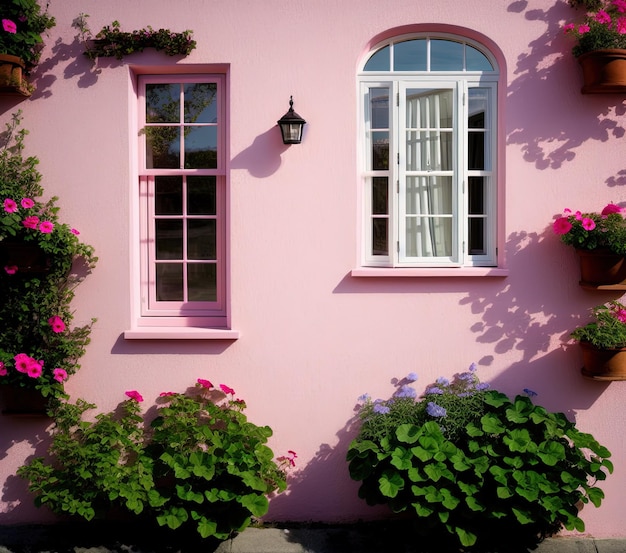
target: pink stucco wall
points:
(313, 337)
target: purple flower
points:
(443, 381)
(482, 386)
(434, 390)
(529, 392)
(411, 377)
(406, 391)
(363, 398)
(435, 410)
(381, 409)
(473, 368)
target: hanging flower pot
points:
(603, 364)
(602, 267)
(24, 402)
(12, 81)
(604, 71)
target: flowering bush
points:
(592, 231)
(200, 463)
(470, 462)
(38, 347)
(604, 25)
(608, 331)
(22, 22)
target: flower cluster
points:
(608, 330)
(22, 24)
(592, 231)
(603, 26)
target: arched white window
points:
(428, 128)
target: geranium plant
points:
(38, 347)
(22, 24)
(200, 463)
(469, 462)
(603, 25)
(607, 330)
(592, 231)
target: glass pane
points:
(200, 102)
(476, 150)
(410, 55)
(476, 199)
(379, 106)
(380, 151)
(163, 103)
(169, 282)
(162, 147)
(429, 237)
(379, 61)
(201, 198)
(201, 147)
(427, 108)
(202, 282)
(168, 195)
(477, 108)
(476, 233)
(380, 191)
(428, 195)
(169, 238)
(429, 151)
(201, 239)
(475, 60)
(446, 55)
(379, 237)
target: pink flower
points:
(578, 216)
(60, 375)
(603, 17)
(611, 208)
(227, 389)
(205, 383)
(56, 323)
(35, 368)
(74, 231)
(22, 361)
(3, 369)
(568, 28)
(562, 226)
(134, 394)
(9, 26)
(27, 203)
(10, 206)
(621, 25)
(46, 227)
(588, 224)
(10, 269)
(31, 221)
(620, 5)
(167, 394)
(583, 28)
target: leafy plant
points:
(38, 347)
(470, 462)
(603, 26)
(200, 463)
(591, 231)
(608, 331)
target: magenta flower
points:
(588, 224)
(583, 28)
(46, 227)
(620, 5)
(27, 203)
(611, 208)
(562, 226)
(3, 369)
(31, 221)
(621, 25)
(205, 383)
(134, 394)
(74, 231)
(620, 315)
(227, 389)
(10, 269)
(10, 206)
(56, 323)
(60, 375)
(167, 394)
(22, 361)
(568, 28)
(34, 369)
(603, 17)
(9, 26)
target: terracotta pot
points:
(604, 71)
(603, 364)
(12, 80)
(601, 268)
(25, 402)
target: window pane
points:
(476, 195)
(380, 244)
(429, 237)
(477, 107)
(476, 150)
(475, 60)
(168, 195)
(162, 147)
(379, 106)
(169, 282)
(476, 233)
(379, 61)
(201, 199)
(410, 55)
(380, 190)
(201, 147)
(429, 151)
(380, 151)
(163, 103)
(202, 282)
(427, 108)
(201, 239)
(428, 195)
(446, 55)
(200, 102)
(169, 238)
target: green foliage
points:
(608, 331)
(602, 27)
(200, 463)
(31, 299)
(497, 469)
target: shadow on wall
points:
(546, 84)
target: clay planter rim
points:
(10, 58)
(604, 71)
(602, 267)
(606, 364)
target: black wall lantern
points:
(291, 125)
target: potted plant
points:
(22, 24)
(472, 465)
(603, 342)
(200, 464)
(600, 45)
(39, 349)
(600, 241)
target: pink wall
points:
(314, 338)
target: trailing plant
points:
(592, 231)
(608, 330)
(470, 462)
(603, 25)
(38, 347)
(200, 463)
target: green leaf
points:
(390, 483)
(491, 424)
(474, 504)
(173, 518)
(551, 453)
(466, 537)
(596, 495)
(257, 504)
(401, 458)
(408, 433)
(519, 439)
(503, 492)
(422, 510)
(523, 517)
(206, 527)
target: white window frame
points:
(459, 82)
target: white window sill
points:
(180, 333)
(436, 272)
